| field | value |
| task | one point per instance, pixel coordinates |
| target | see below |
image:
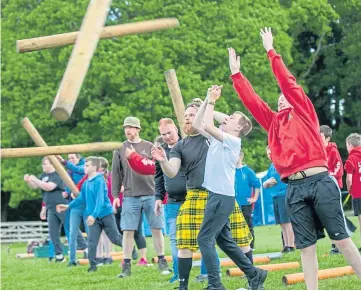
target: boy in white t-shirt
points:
(222, 157)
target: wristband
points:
(211, 102)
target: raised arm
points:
(209, 127)
(198, 122)
(30, 183)
(140, 164)
(287, 82)
(258, 108)
(46, 186)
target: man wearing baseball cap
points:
(138, 195)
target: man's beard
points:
(189, 129)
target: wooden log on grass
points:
(39, 141)
(76, 70)
(58, 40)
(256, 260)
(25, 256)
(177, 99)
(58, 150)
(196, 256)
(322, 274)
(272, 267)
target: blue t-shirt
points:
(246, 180)
(280, 188)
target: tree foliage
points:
(126, 76)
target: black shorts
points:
(279, 206)
(356, 205)
(314, 203)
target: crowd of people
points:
(205, 189)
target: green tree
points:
(126, 74)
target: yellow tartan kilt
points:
(190, 218)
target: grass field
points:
(39, 274)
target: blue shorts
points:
(132, 210)
(279, 206)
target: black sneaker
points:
(61, 260)
(220, 287)
(107, 261)
(50, 260)
(99, 262)
(72, 264)
(256, 283)
(286, 250)
(163, 267)
(92, 269)
(126, 270)
(134, 254)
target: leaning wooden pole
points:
(58, 40)
(39, 141)
(177, 99)
(322, 274)
(83, 51)
(58, 150)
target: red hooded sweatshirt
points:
(334, 161)
(293, 133)
(353, 166)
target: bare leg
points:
(351, 254)
(310, 267)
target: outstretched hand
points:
(234, 61)
(214, 93)
(267, 38)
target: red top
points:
(334, 161)
(293, 134)
(353, 166)
(141, 165)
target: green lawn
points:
(39, 274)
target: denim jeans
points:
(171, 213)
(76, 240)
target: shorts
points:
(190, 218)
(279, 206)
(356, 206)
(314, 203)
(132, 210)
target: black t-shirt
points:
(192, 151)
(54, 197)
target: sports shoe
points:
(92, 269)
(288, 250)
(257, 282)
(60, 260)
(201, 278)
(335, 251)
(72, 264)
(163, 267)
(220, 287)
(134, 254)
(126, 270)
(107, 261)
(142, 262)
(99, 262)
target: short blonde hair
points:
(354, 139)
(245, 122)
(166, 121)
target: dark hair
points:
(95, 162)
(326, 130)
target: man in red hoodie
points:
(353, 169)
(313, 198)
(334, 162)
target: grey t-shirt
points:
(54, 197)
(192, 151)
(134, 184)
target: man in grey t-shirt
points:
(139, 194)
